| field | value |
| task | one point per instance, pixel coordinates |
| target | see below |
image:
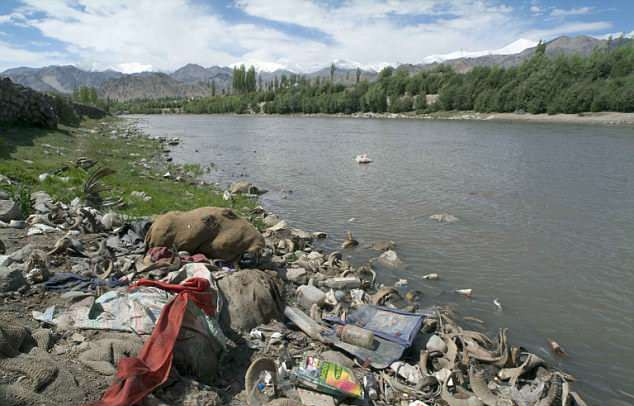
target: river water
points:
(546, 217)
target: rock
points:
(390, 259)
(252, 297)
(41, 201)
(3, 194)
(444, 218)
(301, 235)
(111, 221)
(140, 195)
(271, 220)
(10, 210)
(320, 235)
(297, 275)
(436, 344)
(19, 224)
(311, 398)
(11, 280)
(244, 187)
(383, 245)
(22, 254)
(3, 249)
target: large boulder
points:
(213, 231)
(252, 297)
(10, 210)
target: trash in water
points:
(465, 292)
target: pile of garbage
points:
(201, 308)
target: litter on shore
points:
(202, 308)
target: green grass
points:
(25, 153)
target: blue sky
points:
(299, 34)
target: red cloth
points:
(138, 377)
(158, 253)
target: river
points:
(546, 217)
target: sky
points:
(302, 35)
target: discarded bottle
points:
(370, 386)
(342, 283)
(306, 324)
(354, 335)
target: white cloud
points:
(13, 57)
(558, 12)
(536, 9)
(570, 28)
(166, 34)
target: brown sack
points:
(216, 232)
(252, 297)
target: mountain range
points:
(194, 80)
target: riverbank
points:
(290, 261)
(601, 118)
(59, 161)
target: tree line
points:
(602, 81)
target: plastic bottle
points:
(342, 283)
(356, 336)
(370, 386)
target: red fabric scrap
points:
(158, 253)
(139, 376)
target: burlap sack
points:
(216, 232)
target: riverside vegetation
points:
(43, 159)
(603, 81)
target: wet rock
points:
(244, 187)
(10, 210)
(252, 298)
(271, 220)
(2, 248)
(297, 275)
(383, 245)
(320, 235)
(11, 279)
(390, 259)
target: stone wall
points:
(23, 105)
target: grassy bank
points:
(139, 162)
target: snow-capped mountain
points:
(513, 48)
